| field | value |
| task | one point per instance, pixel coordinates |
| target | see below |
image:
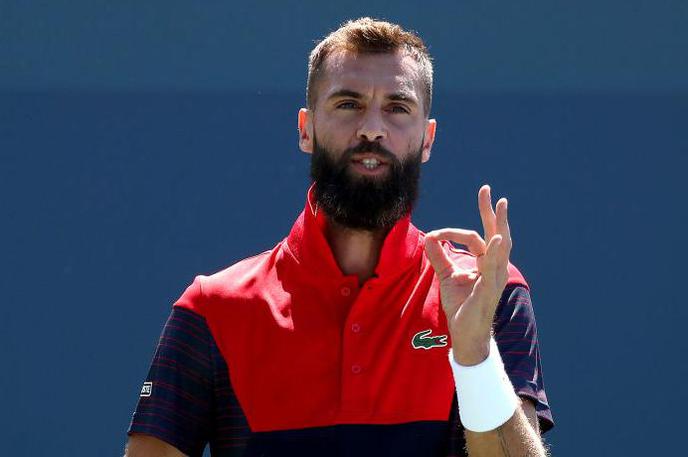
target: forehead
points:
(386, 72)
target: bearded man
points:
(358, 334)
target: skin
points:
(140, 445)
(383, 102)
(371, 110)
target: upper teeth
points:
(370, 163)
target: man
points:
(337, 341)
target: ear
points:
(306, 130)
(430, 129)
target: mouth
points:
(369, 161)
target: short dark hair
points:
(370, 36)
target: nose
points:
(372, 128)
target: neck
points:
(356, 251)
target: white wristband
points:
(485, 395)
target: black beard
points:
(362, 202)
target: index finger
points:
(469, 238)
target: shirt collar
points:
(309, 247)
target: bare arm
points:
(140, 445)
(519, 436)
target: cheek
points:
(411, 143)
(330, 142)
(335, 135)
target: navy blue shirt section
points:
(191, 402)
(516, 335)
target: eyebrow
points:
(345, 93)
(402, 97)
(396, 96)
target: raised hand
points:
(470, 297)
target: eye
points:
(399, 109)
(347, 105)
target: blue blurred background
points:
(142, 143)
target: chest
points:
(306, 355)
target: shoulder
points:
(239, 275)
(233, 282)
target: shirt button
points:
(355, 328)
(355, 369)
(345, 291)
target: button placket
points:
(353, 370)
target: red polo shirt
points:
(306, 346)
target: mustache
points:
(370, 146)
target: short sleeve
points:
(176, 401)
(516, 336)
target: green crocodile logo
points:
(421, 340)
